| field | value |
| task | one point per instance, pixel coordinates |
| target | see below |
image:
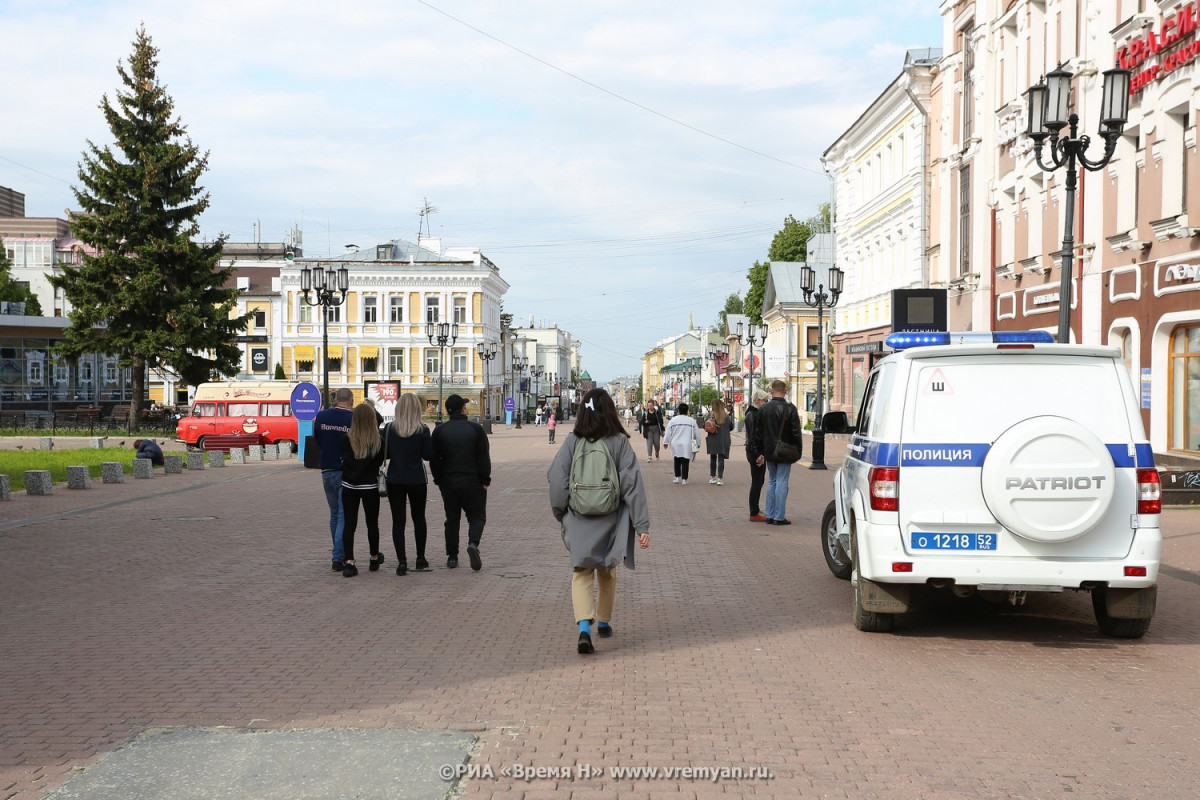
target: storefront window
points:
(1185, 389)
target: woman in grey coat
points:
(599, 543)
(717, 443)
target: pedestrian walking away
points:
(682, 438)
(758, 472)
(651, 424)
(329, 427)
(598, 543)
(552, 423)
(717, 441)
(362, 456)
(778, 420)
(408, 446)
(462, 469)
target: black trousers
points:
(414, 494)
(758, 476)
(463, 495)
(369, 499)
(681, 467)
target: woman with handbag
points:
(407, 445)
(718, 426)
(362, 455)
(778, 444)
(682, 438)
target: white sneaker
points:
(684, 482)
(675, 480)
(712, 480)
(719, 483)
(648, 460)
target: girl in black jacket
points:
(362, 455)
(408, 446)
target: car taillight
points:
(885, 488)
(1149, 492)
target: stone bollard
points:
(78, 478)
(96, 442)
(45, 443)
(270, 452)
(5, 488)
(254, 452)
(237, 456)
(111, 472)
(195, 461)
(37, 481)
(172, 465)
(216, 458)
(285, 452)
(142, 468)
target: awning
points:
(304, 352)
(368, 351)
(335, 351)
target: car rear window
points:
(977, 399)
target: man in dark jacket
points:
(775, 417)
(328, 429)
(462, 470)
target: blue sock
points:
(604, 626)
(585, 626)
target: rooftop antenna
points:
(423, 222)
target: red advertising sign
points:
(1157, 52)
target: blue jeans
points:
(777, 489)
(332, 479)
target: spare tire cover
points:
(1048, 479)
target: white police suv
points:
(999, 463)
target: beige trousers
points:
(582, 594)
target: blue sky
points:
(623, 163)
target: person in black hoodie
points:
(778, 420)
(462, 469)
(362, 455)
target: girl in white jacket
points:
(682, 438)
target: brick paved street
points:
(207, 600)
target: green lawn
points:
(14, 463)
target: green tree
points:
(280, 375)
(13, 292)
(754, 295)
(733, 305)
(152, 296)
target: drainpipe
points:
(924, 180)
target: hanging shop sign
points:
(1159, 51)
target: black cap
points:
(455, 403)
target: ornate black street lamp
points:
(753, 339)
(519, 365)
(324, 282)
(820, 300)
(441, 334)
(718, 355)
(487, 351)
(537, 371)
(1050, 112)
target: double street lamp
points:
(487, 351)
(441, 334)
(323, 283)
(718, 355)
(519, 365)
(754, 338)
(537, 371)
(1050, 112)
(816, 297)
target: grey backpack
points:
(593, 487)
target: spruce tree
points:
(151, 296)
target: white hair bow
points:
(588, 404)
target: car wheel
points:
(1112, 626)
(864, 620)
(836, 557)
(199, 445)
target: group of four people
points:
(353, 449)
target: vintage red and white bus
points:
(262, 407)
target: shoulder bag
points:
(785, 452)
(382, 479)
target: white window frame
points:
(396, 308)
(370, 310)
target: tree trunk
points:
(139, 391)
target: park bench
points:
(118, 417)
(229, 441)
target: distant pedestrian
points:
(149, 449)
(717, 443)
(408, 447)
(758, 472)
(651, 423)
(599, 543)
(551, 423)
(537, 418)
(329, 427)
(362, 455)
(682, 438)
(462, 469)
(777, 420)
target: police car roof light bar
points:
(904, 341)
